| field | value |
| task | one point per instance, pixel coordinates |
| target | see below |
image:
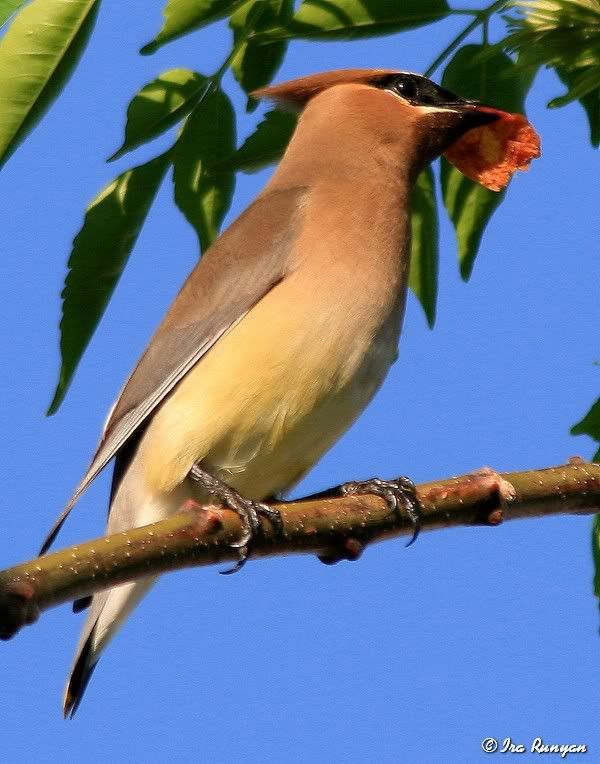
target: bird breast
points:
(276, 391)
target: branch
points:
(333, 528)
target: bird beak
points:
(447, 122)
(473, 113)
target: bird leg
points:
(398, 494)
(250, 512)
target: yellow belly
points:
(268, 399)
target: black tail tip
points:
(79, 679)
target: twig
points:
(335, 528)
(481, 17)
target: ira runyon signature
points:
(537, 745)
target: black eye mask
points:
(418, 90)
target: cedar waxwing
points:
(284, 330)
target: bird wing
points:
(240, 268)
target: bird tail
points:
(108, 612)
(130, 506)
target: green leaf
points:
(590, 102)
(203, 190)
(266, 144)
(488, 75)
(255, 64)
(590, 425)
(37, 55)
(470, 207)
(354, 19)
(483, 72)
(159, 105)
(565, 35)
(555, 32)
(100, 250)
(424, 244)
(596, 552)
(584, 82)
(7, 8)
(184, 16)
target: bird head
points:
(394, 105)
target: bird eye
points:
(406, 87)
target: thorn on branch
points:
(501, 493)
(349, 549)
(207, 520)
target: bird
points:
(286, 327)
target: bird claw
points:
(248, 510)
(250, 513)
(398, 494)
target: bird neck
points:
(352, 136)
(348, 157)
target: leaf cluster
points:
(563, 35)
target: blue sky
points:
(408, 655)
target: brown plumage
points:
(287, 326)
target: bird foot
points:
(399, 494)
(248, 510)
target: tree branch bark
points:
(333, 528)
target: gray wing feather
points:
(241, 267)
